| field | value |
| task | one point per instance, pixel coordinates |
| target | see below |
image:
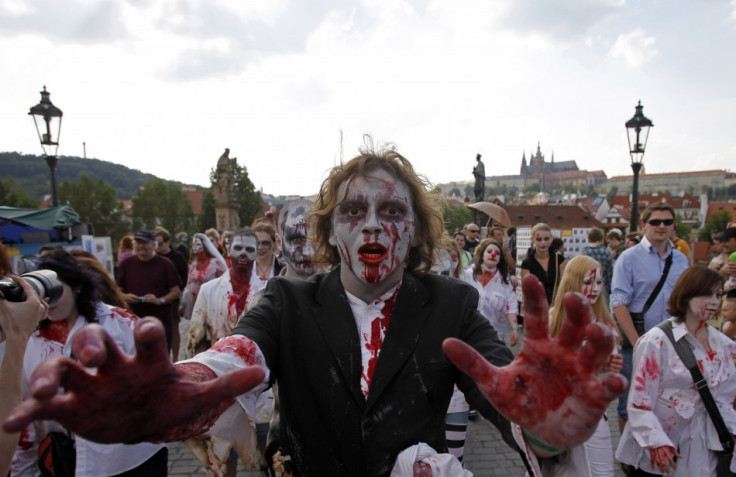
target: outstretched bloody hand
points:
(553, 388)
(130, 399)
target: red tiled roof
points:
(730, 207)
(645, 199)
(587, 204)
(556, 216)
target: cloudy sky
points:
(164, 86)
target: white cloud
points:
(560, 20)
(180, 80)
(635, 48)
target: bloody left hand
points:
(128, 399)
(552, 388)
(664, 458)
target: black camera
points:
(44, 282)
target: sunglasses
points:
(658, 222)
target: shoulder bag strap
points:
(688, 359)
(660, 284)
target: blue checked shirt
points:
(635, 274)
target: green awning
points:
(54, 217)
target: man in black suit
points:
(360, 353)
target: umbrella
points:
(495, 212)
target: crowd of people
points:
(276, 376)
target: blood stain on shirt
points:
(54, 331)
(649, 371)
(239, 346)
(374, 342)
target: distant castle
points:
(537, 165)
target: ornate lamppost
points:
(47, 119)
(637, 130)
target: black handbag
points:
(57, 456)
(688, 359)
(638, 318)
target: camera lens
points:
(45, 283)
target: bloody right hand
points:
(553, 388)
(129, 399)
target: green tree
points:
(162, 203)
(469, 192)
(588, 190)
(611, 192)
(716, 223)
(207, 219)
(248, 198)
(568, 188)
(731, 191)
(533, 187)
(96, 203)
(683, 230)
(13, 195)
(455, 216)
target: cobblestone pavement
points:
(486, 454)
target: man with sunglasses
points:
(636, 274)
(472, 237)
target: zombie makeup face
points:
(705, 307)
(297, 251)
(265, 244)
(491, 257)
(373, 227)
(542, 240)
(593, 284)
(243, 250)
(197, 246)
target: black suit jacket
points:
(308, 335)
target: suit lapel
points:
(334, 317)
(410, 312)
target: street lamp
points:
(637, 130)
(47, 119)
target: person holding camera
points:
(77, 306)
(17, 322)
(643, 278)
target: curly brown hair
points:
(428, 221)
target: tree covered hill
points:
(33, 175)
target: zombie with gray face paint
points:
(297, 251)
(221, 301)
